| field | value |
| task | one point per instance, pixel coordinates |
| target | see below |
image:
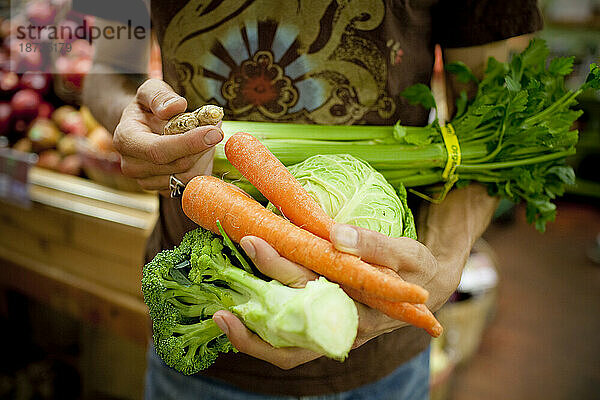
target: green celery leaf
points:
(593, 79)
(399, 131)
(564, 173)
(418, 138)
(512, 84)
(519, 102)
(462, 72)
(495, 71)
(541, 212)
(516, 68)
(561, 122)
(561, 66)
(461, 104)
(535, 54)
(528, 182)
(419, 94)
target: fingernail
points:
(169, 102)
(344, 237)
(220, 321)
(248, 247)
(213, 137)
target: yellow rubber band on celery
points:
(453, 149)
(453, 161)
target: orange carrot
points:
(277, 184)
(207, 200)
(414, 314)
(262, 169)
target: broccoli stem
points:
(244, 285)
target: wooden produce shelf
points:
(79, 247)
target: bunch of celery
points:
(514, 134)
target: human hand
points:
(447, 230)
(405, 254)
(150, 157)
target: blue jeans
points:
(410, 381)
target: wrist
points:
(449, 230)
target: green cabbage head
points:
(352, 192)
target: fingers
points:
(135, 140)
(140, 169)
(249, 343)
(399, 254)
(270, 263)
(160, 98)
(202, 166)
(372, 323)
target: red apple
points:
(5, 118)
(20, 127)
(5, 27)
(73, 124)
(25, 104)
(45, 110)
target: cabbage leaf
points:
(352, 192)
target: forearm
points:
(106, 93)
(449, 230)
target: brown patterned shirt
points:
(316, 62)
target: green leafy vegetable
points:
(593, 79)
(185, 286)
(420, 94)
(561, 66)
(462, 72)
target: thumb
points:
(160, 98)
(400, 253)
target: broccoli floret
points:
(185, 286)
(184, 335)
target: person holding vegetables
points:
(317, 62)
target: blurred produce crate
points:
(83, 228)
(80, 248)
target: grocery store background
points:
(523, 324)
